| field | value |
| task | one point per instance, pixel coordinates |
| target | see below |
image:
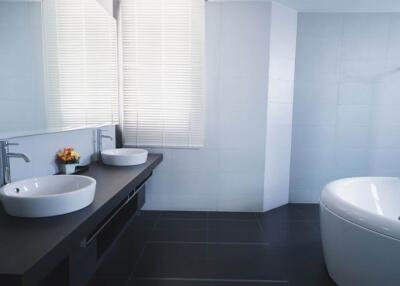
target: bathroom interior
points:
(199, 142)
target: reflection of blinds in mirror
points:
(162, 52)
(80, 40)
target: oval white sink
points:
(124, 157)
(48, 196)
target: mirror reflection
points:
(58, 65)
(21, 67)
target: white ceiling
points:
(343, 5)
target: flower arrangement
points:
(68, 156)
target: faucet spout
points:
(19, 155)
(5, 155)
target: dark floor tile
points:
(184, 215)
(179, 235)
(231, 215)
(234, 231)
(172, 260)
(212, 261)
(144, 220)
(181, 224)
(292, 212)
(307, 266)
(291, 232)
(198, 282)
(239, 225)
(178, 248)
(252, 262)
(304, 211)
(108, 281)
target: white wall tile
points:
(386, 136)
(387, 90)
(321, 25)
(355, 93)
(283, 32)
(365, 36)
(280, 107)
(312, 136)
(384, 161)
(314, 114)
(244, 42)
(280, 91)
(362, 70)
(394, 39)
(353, 114)
(352, 136)
(346, 107)
(241, 191)
(310, 68)
(281, 68)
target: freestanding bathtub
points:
(360, 230)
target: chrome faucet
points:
(5, 155)
(100, 137)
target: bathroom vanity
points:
(66, 249)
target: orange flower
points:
(68, 155)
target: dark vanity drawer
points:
(109, 230)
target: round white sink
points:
(48, 196)
(124, 157)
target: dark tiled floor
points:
(279, 247)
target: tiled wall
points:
(41, 149)
(346, 119)
(228, 173)
(282, 52)
(21, 67)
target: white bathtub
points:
(360, 230)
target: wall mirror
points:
(58, 65)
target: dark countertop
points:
(33, 245)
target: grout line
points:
(232, 219)
(208, 242)
(183, 219)
(216, 219)
(212, 280)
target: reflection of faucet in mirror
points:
(5, 156)
(100, 137)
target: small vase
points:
(68, 169)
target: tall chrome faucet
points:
(5, 155)
(100, 137)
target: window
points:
(162, 65)
(80, 40)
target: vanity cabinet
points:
(66, 250)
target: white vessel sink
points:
(124, 157)
(48, 196)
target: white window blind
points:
(80, 40)
(162, 58)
